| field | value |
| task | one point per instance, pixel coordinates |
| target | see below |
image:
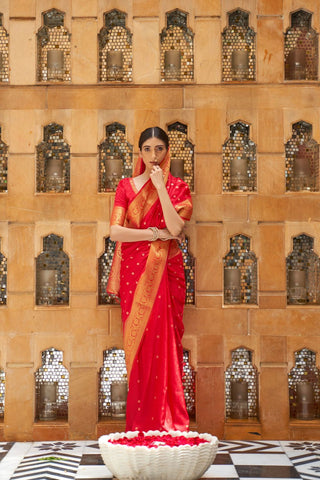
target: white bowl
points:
(183, 462)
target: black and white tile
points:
(305, 456)
(235, 460)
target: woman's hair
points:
(156, 132)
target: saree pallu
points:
(152, 293)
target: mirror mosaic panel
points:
(303, 288)
(239, 162)
(3, 166)
(176, 36)
(52, 273)
(104, 268)
(53, 161)
(2, 392)
(115, 158)
(3, 279)
(4, 52)
(301, 48)
(238, 48)
(52, 370)
(242, 370)
(189, 271)
(302, 159)
(304, 372)
(181, 151)
(54, 49)
(241, 258)
(113, 370)
(115, 37)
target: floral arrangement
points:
(157, 455)
(155, 441)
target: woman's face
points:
(153, 152)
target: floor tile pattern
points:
(235, 460)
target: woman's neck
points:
(140, 180)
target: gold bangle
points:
(155, 232)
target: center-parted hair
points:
(152, 132)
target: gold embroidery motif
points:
(114, 276)
(118, 215)
(184, 209)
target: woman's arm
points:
(174, 222)
(125, 234)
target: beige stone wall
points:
(270, 217)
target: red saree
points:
(149, 278)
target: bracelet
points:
(155, 232)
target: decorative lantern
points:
(114, 65)
(301, 48)
(232, 283)
(296, 64)
(240, 64)
(119, 392)
(303, 178)
(305, 401)
(54, 177)
(239, 399)
(297, 286)
(55, 65)
(177, 167)
(114, 171)
(176, 48)
(239, 173)
(48, 401)
(172, 64)
(46, 287)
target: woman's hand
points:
(157, 177)
(164, 235)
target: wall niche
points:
(52, 273)
(52, 387)
(115, 157)
(53, 161)
(238, 48)
(304, 386)
(54, 48)
(3, 279)
(241, 385)
(301, 48)
(239, 163)
(4, 52)
(240, 273)
(303, 272)
(3, 166)
(2, 393)
(181, 153)
(176, 48)
(302, 159)
(115, 48)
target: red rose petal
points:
(155, 441)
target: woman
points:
(147, 221)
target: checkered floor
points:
(235, 460)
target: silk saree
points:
(149, 278)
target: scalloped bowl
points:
(183, 462)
